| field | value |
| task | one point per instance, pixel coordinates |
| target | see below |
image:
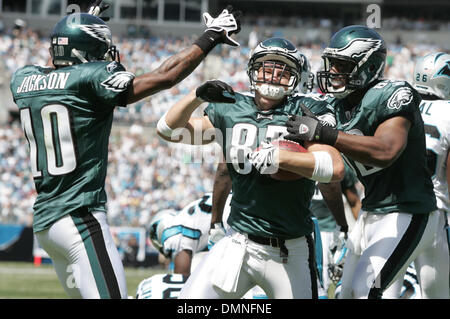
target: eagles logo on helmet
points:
(83, 39)
(363, 52)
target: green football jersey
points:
(261, 205)
(66, 115)
(405, 185)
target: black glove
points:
(213, 91)
(309, 128)
(220, 29)
(97, 8)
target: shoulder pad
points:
(394, 93)
(110, 67)
(28, 69)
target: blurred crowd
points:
(145, 174)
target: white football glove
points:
(265, 160)
(216, 233)
(339, 239)
(226, 21)
(97, 8)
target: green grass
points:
(22, 280)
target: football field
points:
(24, 280)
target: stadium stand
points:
(146, 174)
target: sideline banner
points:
(16, 243)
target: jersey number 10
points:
(57, 139)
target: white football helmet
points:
(432, 75)
(157, 225)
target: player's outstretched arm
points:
(380, 150)
(179, 66)
(179, 115)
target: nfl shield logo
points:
(303, 129)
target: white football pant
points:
(381, 246)
(236, 264)
(85, 256)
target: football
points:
(283, 175)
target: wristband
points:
(217, 225)
(329, 135)
(208, 40)
(323, 167)
(163, 128)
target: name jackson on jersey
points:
(57, 81)
(35, 82)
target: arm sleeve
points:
(210, 112)
(318, 104)
(108, 85)
(400, 100)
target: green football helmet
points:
(285, 55)
(361, 53)
(81, 38)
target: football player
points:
(270, 242)
(382, 136)
(431, 78)
(66, 114)
(183, 238)
(179, 235)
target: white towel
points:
(226, 274)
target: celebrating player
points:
(431, 78)
(66, 114)
(381, 133)
(270, 242)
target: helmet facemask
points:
(274, 68)
(272, 84)
(339, 81)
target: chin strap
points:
(79, 56)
